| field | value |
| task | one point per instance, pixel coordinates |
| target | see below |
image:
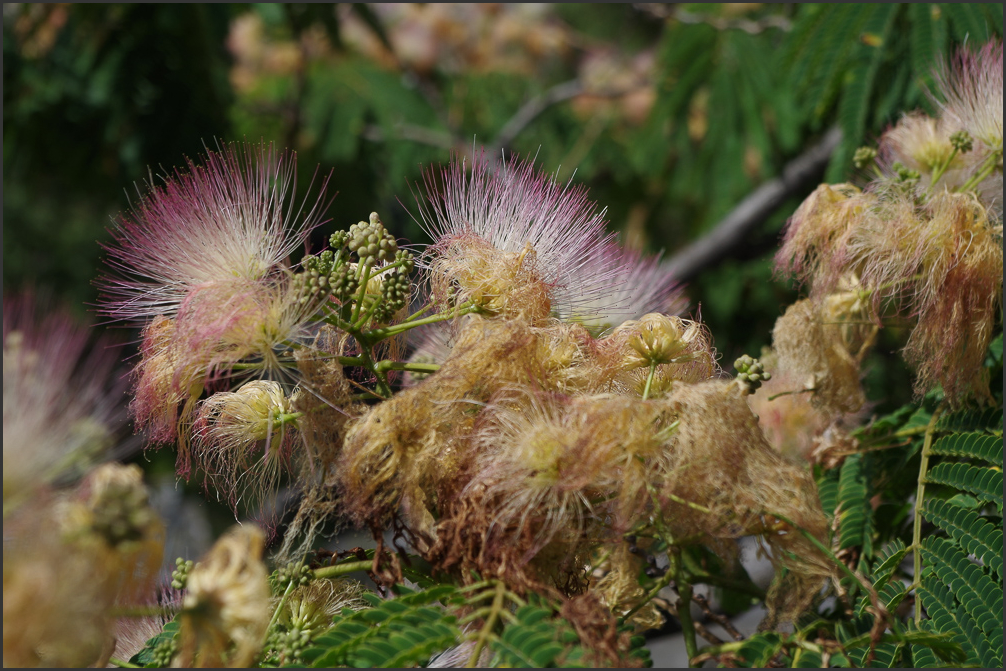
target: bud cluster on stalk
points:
(379, 263)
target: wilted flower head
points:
(59, 397)
(493, 227)
(56, 599)
(813, 248)
(812, 350)
(224, 220)
(226, 601)
(972, 92)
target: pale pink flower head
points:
(639, 285)
(61, 396)
(496, 227)
(231, 217)
(972, 91)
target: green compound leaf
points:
(758, 650)
(946, 616)
(977, 592)
(145, 656)
(854, 508)
(984, 483)
(989, 420)
(971, 531)
(405, 631)
(538, 639)
(972, 445)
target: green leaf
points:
(946, 617)
(989, 420)
(984, 483)
(971, 531)
(972, 445)
(758, 650)
(853, 504)
(980, 596)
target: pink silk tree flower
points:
(641, 286)
(204, 257)
(59, 402)
(972, 91)
(500, 232)
(232, 217)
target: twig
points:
(718, 618)
(530, 110)
(752, 26)
(701, 630)
(752, 211)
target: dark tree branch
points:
(751, 212)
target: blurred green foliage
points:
(671, 114)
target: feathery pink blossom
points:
(641, 286)
(972, 90)
(59, 395)
(512, 207)
(227, 218)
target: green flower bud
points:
(961, 141)
(864, 157)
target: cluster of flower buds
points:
(294, 572)
(164, 652)
(371, 241)
(327, 275)
(332, 273)
(119, 505)
(906, 175)
(962, 141)
(289, 646)
(180, 576)
(750, 373)
(864, 157)
(395, 288)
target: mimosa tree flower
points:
(59, 406)
(972, 91)
(514, 239)
(227, 218)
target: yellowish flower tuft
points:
(226, 603)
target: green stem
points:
(122, 664)
(787, 393)
(940, 169)
(990, 165)
(279, 607)
(685, 613)
(649, 380)
(388, 364)
(364, 277)
(920, 496)
(698, 575)
(419, 313)
(340, 570)
(664, 581)
(487, 628)
(388, 331)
